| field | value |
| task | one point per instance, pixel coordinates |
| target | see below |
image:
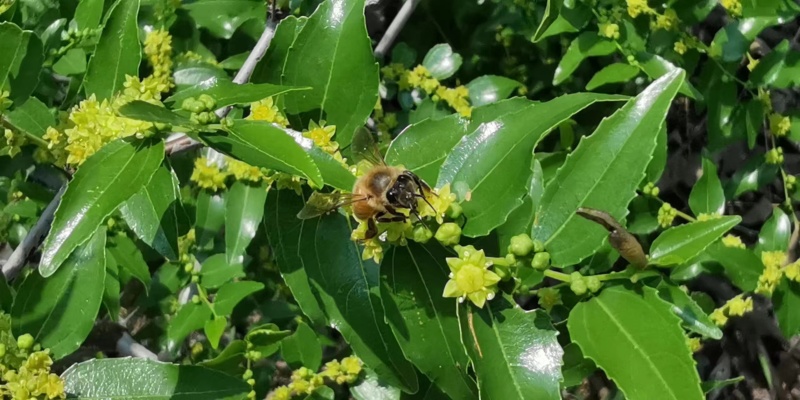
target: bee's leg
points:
(420, 183)
(396, 218)
(372, 229)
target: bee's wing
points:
(321, 203)
(364, 147)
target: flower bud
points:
(207, 101)
(593, 283)
(538, 246)
(577, 283)
(195, 278)
(521, 245)
(247, 374)
(454, 211)
(421, 234)
(25, 341)
(448, 234)
(541, 261)
(196, 299)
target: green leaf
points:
(188, 319)
(343, 285)
(732, 42)
(489, 89)
(139, 378)
(775, 233)
(655, 168)
(425, 323)
(226, 93)
(223, 17)
(614, 73)
(693, 318)
(707, 196)
(145, 111)
(422, 147)
(112, 287)
(129, 258)
(333, 55)
(371, 387)
(270, 68)
(742, 266)
(302, 349)
(711, 386)
(752, 176)
(88, 14)
(780, 68)
(231, 293)
(754, 119)
(31, 118)
(60, 311)
(107, 179)
(680, 244)
(266, 338)
(587, 44)
(6, 296)
(561, 16)
(787, 301)
(603, 173)
(192, 73)
(644, 365)
(655, 67)
(21, 62)
(720, 103)
(229, 359)
(264, 145)
(575, 366)
(480, 162)
(156, 214)
(118, 51)
(214, 328)
(216, 271)
(515, 352)
(209, 216)
(244, 209)
(334, 173)
(72, 63)
(289, 253)
(441, 62)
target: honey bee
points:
(378, 195)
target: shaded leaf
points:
(680, 244)
(707, 196)
(787, 302)
(587, 44)
(189, 318)
(780, 68)
(775, 233)
(209, 216)
(694, 319)
(742, 266)
(441, 61)
(488, 89)
(129, 258)
(575, 366)
(613, 73)
(226, 93)
(216, 271)
(231, 293)
(111, 287)
(144, 111)
(117, 53)
(244, 209)
(302, 349)
(22, 59)
(223, 17)
(31, 118)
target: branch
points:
(395, 27)
(126, 346)
(19, 257)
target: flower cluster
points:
(638, 7)
(385, 122)
(735, 307)
(779, 125)
(650, 189)
(322, 136)
(25, 368)
(734, 7)
(708, 216)
(694, 344)
(14, 142)
(667, 21)
(773, 262)
(267, 110)
(666, 214)
(609, 30)
(774, 156)
(548, 298)
(201, 109)
(419, 77)
(243, 171)
(733, 241)
(304, 381)
(158, 49)
(470, 277)
(208, 175)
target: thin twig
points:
(127, 346)
(395, 27)
(32, 240)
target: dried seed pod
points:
(619, 238)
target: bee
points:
(378, 195)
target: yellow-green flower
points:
(680, 47)
(14, 142)
(393, 71)
(706, 216)
(752, 63)
(609, 30)
(666, 215)
(289, 181)
(267, 110)
(373, 250)
(158, 49)
(5, 5)
(771, 276)
(694, 344)
(441, 202)
(243, 171)
(779, 125)
(470, 277)
(792, 271)
(322, 135)
(667, 21)
(208, 175)
(735, 307)
(733, 241)
(548, 298)
(457, 98)
(637, 7)
(734, 7)
(775, 156)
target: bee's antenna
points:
(419, 218)
(426, 201)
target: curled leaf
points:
(619, 238)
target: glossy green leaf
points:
(231, 293)
(21, 62)
(787, 301)
(264, 145)
(754, 119)
(229, 359)
(609, 330)
(480, 162)
(488, 89)
(575, 366)
(707, 196)
(111, 287)
(214, 328)
(752, 176)
(334, 173)
(303, 348)
(244, 209)
(139, 378)
(216, 271)
(223, 17)
(72, 63)
(780, 68)
(602, 173)
(655, 168)
(129, 258)
(426, 324)
(156, 215)
(88, 14)
(117, 53)
(226, 93)
(339, 282)
(288, 252)
(515, 352)
(643, 216)
(441, 61)
(587, 44)
(189, 74)
(270, 68)
(333, 55)
(31, 118)
(613, 73)
(371, 387)
(189, 318)
(561, 16)
(149, 112)
(423, 147)
(742, 266)
(693, 318)
(107, 179)
(775, 233)
(732, 42)
(680, 244)
(266, 338)
(59, 311)
(655, 67)
(209, 216)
